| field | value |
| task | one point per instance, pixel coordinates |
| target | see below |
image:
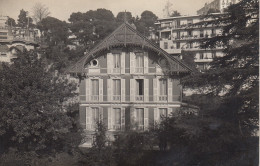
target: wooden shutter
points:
(155, 89)
(88, 118)
(122, 63)
(132, 63)
(146, 119)
(122, 89)
(146, 89)
(132, 117)
(101, 114)
(109, 89)
(112, 118)
(146, 69)
(169, 112)
(88, 88)
(100, 89)
(156, 115)
(169, 83)
(109, 118)
(132, 89)
(122, 118)
(109, 62)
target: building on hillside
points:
(127, 82)
(181, 34)
(216, 5)
(13, 39)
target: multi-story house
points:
(183, 34)
(127, 82)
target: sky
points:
(62, 9)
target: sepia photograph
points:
(129, 82)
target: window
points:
(163, 89)
(201, 33)
(94, 89)
(178, 35)
(190, 21)
(139, 118)
(165, 45)
(178, 45)
(94, 63)
(116, 89)
(213, 55)
(3, 33)
(189, 33)
(201, 56)
(139, 59)
(116, 63)
(139, 89)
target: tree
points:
(124, 16)
(10, 22)
(24, 20)
(145, 24)
(40, 12)
(175, 13)
(92, 26)
(55, 30)
(33, 114)
(231, 83)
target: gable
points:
(125, 36)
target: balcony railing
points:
(116, 97)
(139, 97)
(163, 98)
(94, 98)
(116, 127)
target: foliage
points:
(40, 12)
(146, 23)
(92, 26)
(54, 30)
(175, 13)
(24, 20)
(124, 16)
(33, 116)
(10, 22)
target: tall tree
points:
(10, 22)
(55, 30)
(122, 16)
(24, 20)
(175, 13)
(40, 12)
(145, 24)
(33, 114)
(232, 81)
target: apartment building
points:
(181, 34)
(13, 39)
(127, 82)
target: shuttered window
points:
(116, 61)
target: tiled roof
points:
(125, 35)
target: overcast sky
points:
(62, 9)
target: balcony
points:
(116, 97)
(139, 97)
(116, 127)
(94, 98)
(163, 98)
